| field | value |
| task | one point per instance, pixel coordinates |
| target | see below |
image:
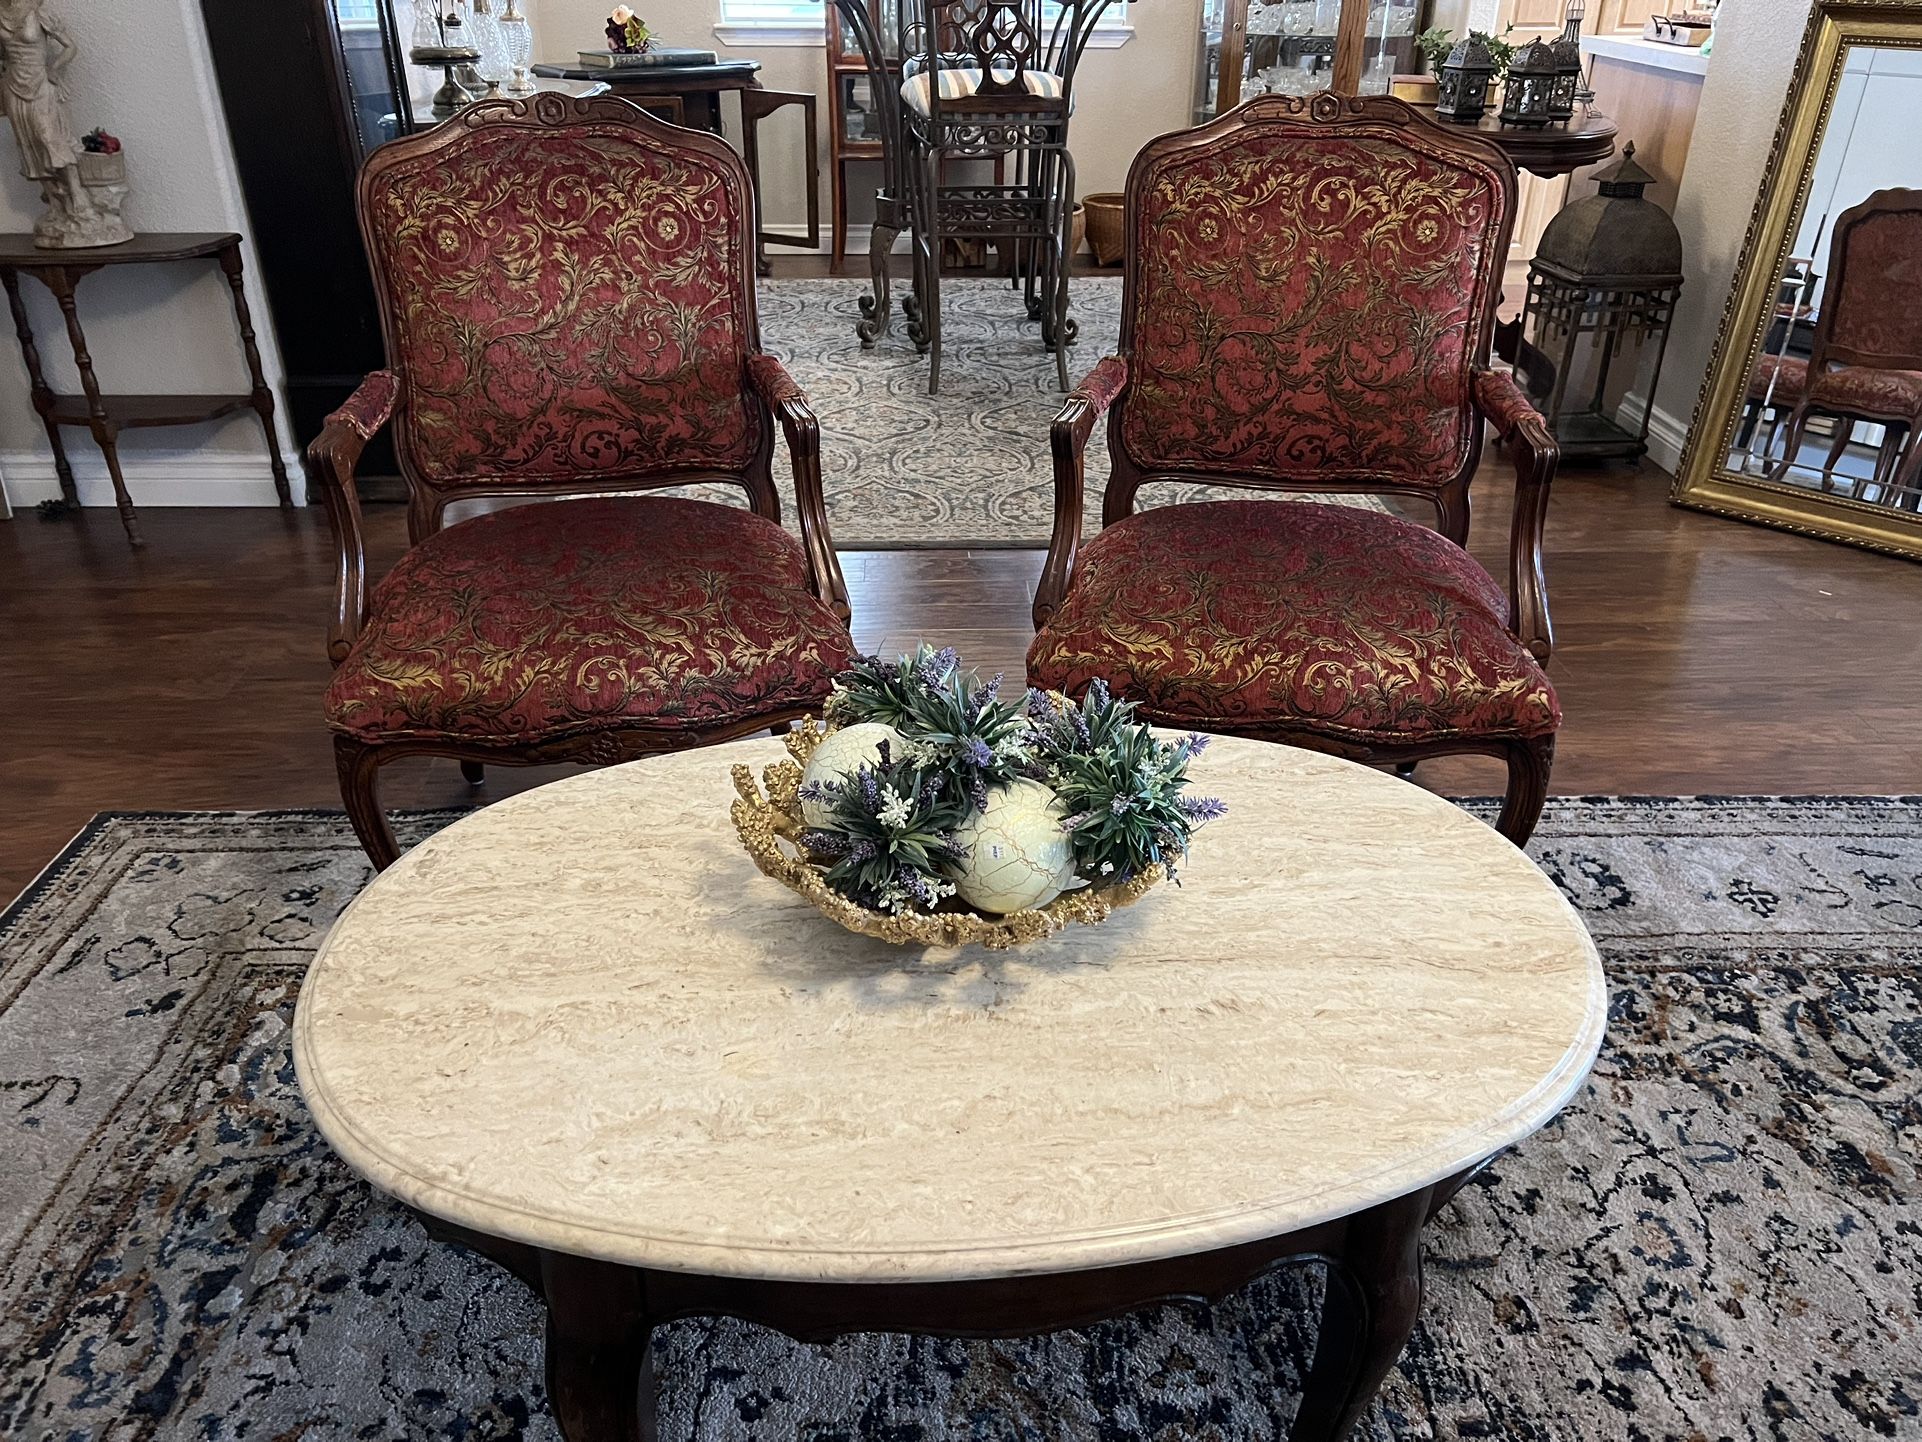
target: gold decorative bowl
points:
(770, 826)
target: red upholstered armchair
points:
(1309, 296)
(1865, 360)
(567, 296)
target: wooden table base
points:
(600, 1315)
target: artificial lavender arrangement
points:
(1123, 787)
(932, 807)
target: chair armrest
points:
(783, 396)
(330, 462)
(1075, 422)
(1519, 425)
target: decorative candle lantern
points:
(1462, 94)
(1603, 284)
(1567, 50)
(1530, 86)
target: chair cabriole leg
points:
(359, 768)
(1529, 763)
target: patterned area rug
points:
(1718, 1240)
(969, 467)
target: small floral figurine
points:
(627, 33)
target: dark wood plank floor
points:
(1695, 655)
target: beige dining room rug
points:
(968, 468)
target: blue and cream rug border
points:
(1718, 1240)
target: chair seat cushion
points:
(1868, 391)
(1779, 380)
(1246, 615)
(960, 82)
(567, 617)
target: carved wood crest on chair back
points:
(566, 288)
(1310, 286)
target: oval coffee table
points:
(580, 1033)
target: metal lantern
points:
(1567, 50)
(1603, 283)
(1530, 86)
(1462, 89)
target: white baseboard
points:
(858, 237)
(169, 478)
(1667, 434)
(1667, 438)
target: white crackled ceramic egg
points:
(841, 753)
(1018, 854)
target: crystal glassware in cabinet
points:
(517, 41)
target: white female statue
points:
(35, 51)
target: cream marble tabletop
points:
(582, 1020)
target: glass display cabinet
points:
(855, 122)
(1297, 47)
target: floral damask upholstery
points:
(1310, 304)
(568, 617)
(1874, 292)
(370, 406)
(567, 303)
(1234, 614)
(1868, 391)
(1790, 378)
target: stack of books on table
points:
(655, 56)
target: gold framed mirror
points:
(1810, 417)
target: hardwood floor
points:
(1694, 655)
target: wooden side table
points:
(107, 415)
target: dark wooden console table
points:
(697, 90)
(108, 415)
(1548, 150)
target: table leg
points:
(262, 396)
(1374, 1296)
(106, 434)
(37, 378)
(600, 1378)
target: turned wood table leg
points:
(1374, 1296)
(43, 399)
(263, 397)
(600, 1380)
(106, 434)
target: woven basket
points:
(770, 826)
(1107, 232)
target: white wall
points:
(1748, 77)
(1880, 95)
(143, 72)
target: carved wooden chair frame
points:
(1895, 462)
(1494, 396)
(331, 458)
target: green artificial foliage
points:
(1122, 786)
(889, 839)
(1435, 43)
(949, 722)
